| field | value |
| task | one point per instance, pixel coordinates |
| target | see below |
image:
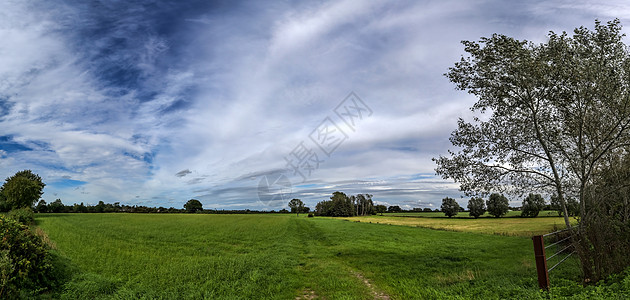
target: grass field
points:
(515, 226)
(435, 214)
(157, 256)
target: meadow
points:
(511, 225)
(200, 256)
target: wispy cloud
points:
(157, 102)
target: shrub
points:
(310, 215)
(22, 215)
(27, 267)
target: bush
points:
(22, 215)
(27, 267)
(310, 215)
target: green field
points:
(516, 226)
(157, 256)
(435, 214)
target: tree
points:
(559, 113)
(554, 110)
(41, 206)
(193, 205)
(476, 207)
(56, 206)
(394, 209)
(297, 206)
(532, 205)
(380, 209)
(497, 205)
(22, 189)
(450, 207)
(573, 207)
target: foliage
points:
(573, 207)
(26, 265)
(532, 205)
(604, 229)
(56, 206)
(476, 207)
(450, 207)
(497, 205)
(341, 205)
(22, 189)
(193, 205)
(22, 215)
(394, 209)
(380, 209)
(41, 206)
(556, 110)
(297, 206)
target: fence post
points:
(541, 262)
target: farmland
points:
(287, 257)
(511, 225)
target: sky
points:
(247, 104)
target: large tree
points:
(548, 115)
(193, 205)
(22, 189)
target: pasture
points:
(167, 256)
(511, 226)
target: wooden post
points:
(541, 262)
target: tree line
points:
(497, 206)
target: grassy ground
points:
(433, 214)
(525, 227)
(180, 256)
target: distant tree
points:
(41, 206)
(497, 205)
(426, 209)
(380, 209)
(573, 207)
(193, 205)
(22, 189)
(394, 209)
(297, 206)
(56, 206)
(450, 207)
(363, 205)
(476, 207)
(532, 205)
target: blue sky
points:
(157, 102)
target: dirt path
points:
(378, 295)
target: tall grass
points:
(283, 257)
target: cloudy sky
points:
(246, 104)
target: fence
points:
(563, 244)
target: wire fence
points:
(560, 248)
